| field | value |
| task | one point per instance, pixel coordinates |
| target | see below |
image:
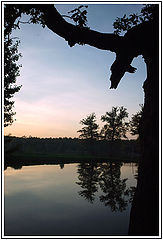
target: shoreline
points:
(19, 160)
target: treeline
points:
(72, 147)
(107, 143)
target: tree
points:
(116, 126)
(135, 122)
(125, 23)
(141, 39)
(11, 72)
(12, 55)
(12, 20)
(90, 131)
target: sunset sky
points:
(62, 85)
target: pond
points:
(85, 199)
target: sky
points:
(62, 85)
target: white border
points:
(160, 125)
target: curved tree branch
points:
(74, 34)
(137, 41)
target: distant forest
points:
(71, 148)
(109, 143)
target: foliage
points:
(79, 16)
(135, 122)
(11, 72)
(12, 20)
(72, 148)
(125, 23)
(115, 126)
(11, 68)
(90, 129)
(13, 14)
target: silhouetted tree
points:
(125, 23)
(141, 39)
(78, 15)
(90, 129)
(135, 122)
(143, 219)
(11, 72)
(116, 126)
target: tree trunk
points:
(144, 218)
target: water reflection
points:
(68, 199)
(13, 164)
(61, 165)
(107, 177)
(88, 180)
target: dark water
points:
(69, 200)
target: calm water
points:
(69, 200)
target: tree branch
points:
(74, 34)
(139, 40)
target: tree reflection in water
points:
(107, 176)
(88, 176)
(113, 187)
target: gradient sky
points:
(62, 85)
